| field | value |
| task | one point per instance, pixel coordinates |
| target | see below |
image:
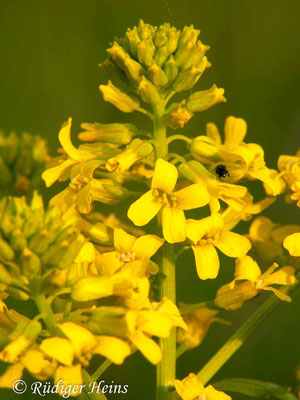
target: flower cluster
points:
(22, 160)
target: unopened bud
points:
(111, 133)
(148, 92)
(186, 79)
(124, 102)
(200, 101)
(161, 56)
(145, 56)
(171, 69)
(134, 70)
(92, 288)
(157, 75)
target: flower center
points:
(210, 238)
(126, 257)
(164, 198)
(78, 183)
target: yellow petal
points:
(112, 348)
(81, 338)
(52, 174)
(123, 241)
(197, 229)
(144, 209)
(109, 263)
(213, 132)
(84, 200)
(282, 296)
(192, 196)
(190, 388)
(146, 246)
(155, 323)
(148, 347)
(174, 224)
(72, 376)
(213, 394)
(235, 131)
(34, 361)
(58, 348)
(246, 268)
(165, 176)
(11, 374)
(86, 253)
(284, 276)
(261, 228)
(65, 140)
(207, 261)
(92, 288)
(292, 244)
(233, 245)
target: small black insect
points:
(221, 171)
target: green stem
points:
(46, 311)
(89, 382)
(166, 369)
(196, 306)
(182, 348)
(178, 137)
(102, 368)
(237, 339)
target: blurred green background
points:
(49, 52)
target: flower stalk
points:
(238, 338)
(166, 369)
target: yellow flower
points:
(242, 160)
(232, 216)
(191, 388)
(138, 325)
(208, 233)
(161, 196)
(198, 323)
(129, 249)
(289, 166)
(231, 194)
(75, 156)
(233, 295)
(135, 151)
(77, 349)
(267, 238)
(292, 244)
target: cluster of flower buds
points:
(32, 244)
(22, 160)
(150, 63)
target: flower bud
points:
(202, 100)
(124, 102)
(189, 33)
(173, 40)
(204, 149)
(145, 56)
(112, 133)
(116, 75)
(31, 263)
(133, 40)
(157, 75)
(171, 69)
(5, 276)
(148, 92)
(108, 191)
(232, 299)
(186, 79)
(161, 56)
(118, 54)
(184, 53)
(6, 252)
(133, 70)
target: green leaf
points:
(255, 388)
